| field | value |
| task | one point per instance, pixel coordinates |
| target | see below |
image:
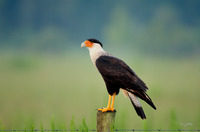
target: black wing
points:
(117, 73)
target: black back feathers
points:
(95, 41)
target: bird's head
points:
(90, 43)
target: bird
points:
(117, 76)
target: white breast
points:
(95, 52)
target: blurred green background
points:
(45, 77)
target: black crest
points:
(95, 41)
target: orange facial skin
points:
(88, 43)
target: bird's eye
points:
(88, 43)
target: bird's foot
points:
(106, 109)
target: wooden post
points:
(105, 121)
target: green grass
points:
(84, 127)
(73, 126)
(35, 88)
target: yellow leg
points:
(112, 105)
(109, 100)
(113, 100)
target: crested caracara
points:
(118, 75)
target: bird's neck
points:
(96, 52)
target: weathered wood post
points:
(105, 121)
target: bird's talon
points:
(106, 109)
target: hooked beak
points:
(83, 45)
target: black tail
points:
(147, 99)
(135, 101)
(142, 95)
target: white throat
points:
(95, 52)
